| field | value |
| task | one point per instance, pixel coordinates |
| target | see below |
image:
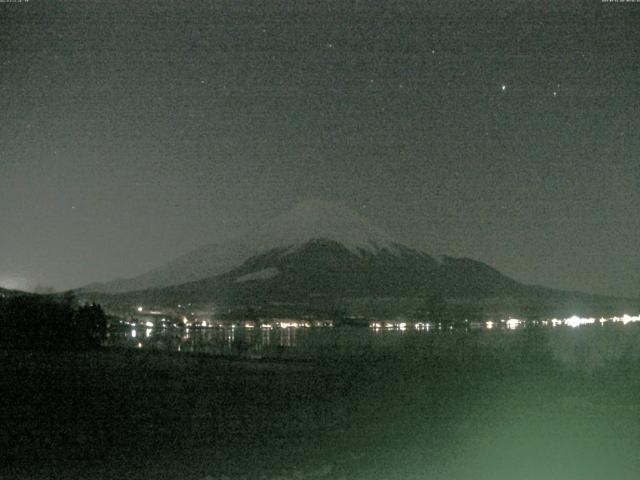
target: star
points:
(503, 87)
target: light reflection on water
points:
(288, 336)
(222, 340)
(253, 341)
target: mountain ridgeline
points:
(322, 259)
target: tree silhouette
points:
(51, 323)
(90, 325)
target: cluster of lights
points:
(402, 326)
(381, 325)
(293, 324)
(377, 325)
(576, 321)
(508, 323)
(284, 324)
(192, 321)
(624, 319)
(513, 323)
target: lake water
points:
(256, 341)
(310, 339)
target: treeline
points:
(50, 322)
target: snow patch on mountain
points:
(264, 274)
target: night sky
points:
(503, 131)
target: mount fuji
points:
(319, 255)
(312, 220)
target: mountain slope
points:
(327, 270)
(206, 261)
(319, 256)
(310, 220)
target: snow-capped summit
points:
(318, 219)
(311, 220)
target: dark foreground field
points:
(525, 405)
